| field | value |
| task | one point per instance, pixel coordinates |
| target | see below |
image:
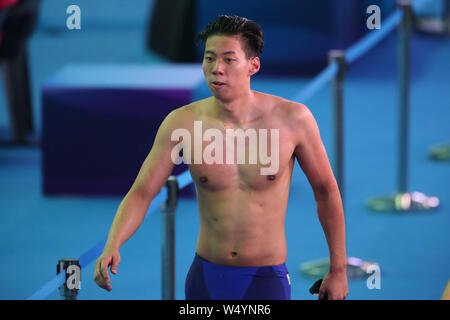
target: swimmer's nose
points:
(217, 68)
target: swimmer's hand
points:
(101, 276)
(334, 286)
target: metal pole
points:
(338, 56)
(69, 290)
(404, 200)
(168, 239)
(403, 60)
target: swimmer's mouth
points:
(218, 83)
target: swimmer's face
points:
(226, 67)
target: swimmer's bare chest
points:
(254, 158)
(241, 209)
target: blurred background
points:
(81, 100)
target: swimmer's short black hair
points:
(249, 30)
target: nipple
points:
(271, 177)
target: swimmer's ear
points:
(255, 64)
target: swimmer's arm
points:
(312, 158)
(152, 176)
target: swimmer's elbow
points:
(148, 188)
(142, 192)
(322, 191)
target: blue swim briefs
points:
(209, 281)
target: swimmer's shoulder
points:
(183, 117)
(193, 110)
(286, 110)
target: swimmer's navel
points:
(203, 179)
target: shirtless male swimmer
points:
(241, 246)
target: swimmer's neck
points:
(236, 111)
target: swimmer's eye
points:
(228, 60)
